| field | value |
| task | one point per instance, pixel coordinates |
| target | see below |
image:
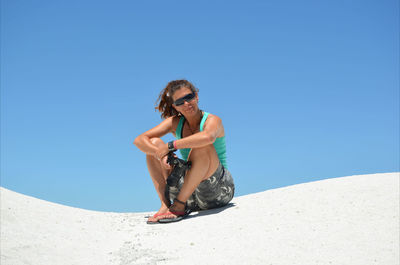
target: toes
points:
(162, 217)
(166, 216)
(152, 219)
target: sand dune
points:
(350, 220)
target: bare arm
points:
(143, 141)
(211, 131)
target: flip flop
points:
(156, 215)
(179, 216)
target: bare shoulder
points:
(214, 118)
(215, 122)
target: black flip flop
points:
(175, 219)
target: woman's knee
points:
(203, 152)
(196, 152)
(156, 141)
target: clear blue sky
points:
(307, 90)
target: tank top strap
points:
(203, 120)
(179, 128)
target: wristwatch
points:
(171, 147)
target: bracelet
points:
(175, 145)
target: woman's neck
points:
(194, 120)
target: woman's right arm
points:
(143, 141)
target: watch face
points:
(171, 146)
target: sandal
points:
(155, 216)
(179, 214)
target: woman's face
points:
(187, 108)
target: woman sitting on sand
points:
(200, 139)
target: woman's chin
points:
(190, 111)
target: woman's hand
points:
(162, 152)
(164, 163)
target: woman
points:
(201, 140)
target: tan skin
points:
(203, 155)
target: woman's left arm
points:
(212, 129)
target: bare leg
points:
(159, 177)
(204, 163)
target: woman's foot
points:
(176, 210)
(154, 219)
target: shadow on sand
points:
(206, 212)
(210, 212)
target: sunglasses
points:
(187, 98)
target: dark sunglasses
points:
(187, 98)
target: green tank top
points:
(219, 144)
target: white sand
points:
(351, 220)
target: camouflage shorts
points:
(214, 192)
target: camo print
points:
(214, 192)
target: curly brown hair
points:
(164, 101)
